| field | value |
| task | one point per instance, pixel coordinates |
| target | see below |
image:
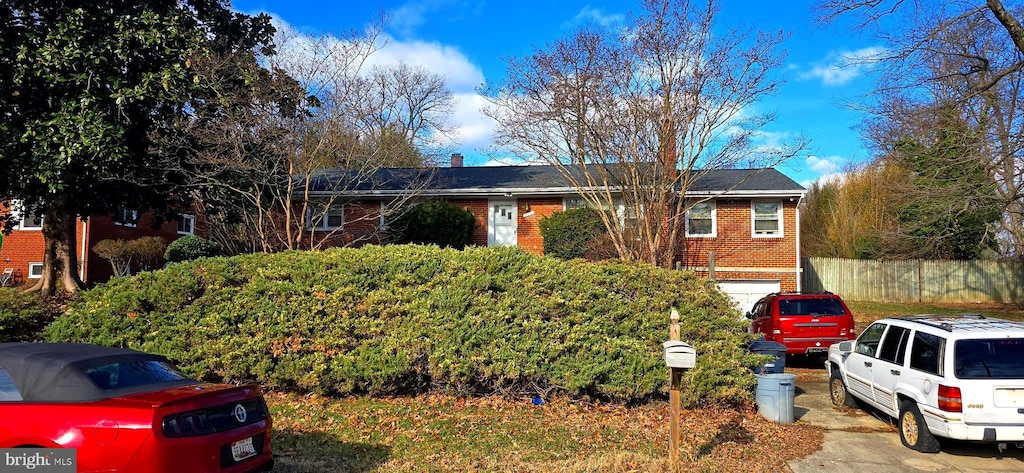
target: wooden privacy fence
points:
(917, 280)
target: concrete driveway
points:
(861, 440)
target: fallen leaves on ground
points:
(445, 433)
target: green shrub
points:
(141, 253)
(571, 234)
(435, 222)
(24, 315)
(191, 247)
(407, 319)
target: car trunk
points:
(993, 378)
(813, 319)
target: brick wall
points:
(528, 233)
(735, 247)
(23, 247)
(103, 228)
(479, 209)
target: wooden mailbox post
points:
(673, 397)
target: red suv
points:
(805, 323)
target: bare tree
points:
(633, 117)
(968, 54)
(268, 159)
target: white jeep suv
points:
(958, 377)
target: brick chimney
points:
(456, 160)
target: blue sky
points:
(467, 41)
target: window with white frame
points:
(766, 218)
(328, 217)
(35, 270)
(573, 203)
(186, 224)
(700, 220)
(126, 217)
(26, 220)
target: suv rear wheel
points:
(914, 431)
(837, 391)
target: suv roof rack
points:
(800, 293)
(928, 319)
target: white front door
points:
(501, 223)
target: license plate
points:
(1009, 398)
(817, 350)
(243, 449)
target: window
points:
(700, 220)
(867, 343)
(989, 358)
(895, 345)
(130, 374)
(35, 270)
(126, 217)
(573, 203)
(766, 219)
(814, 307)
(32, 220)
(926, 353)
(8, 391)
(326, 218)
(186, 224)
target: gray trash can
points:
(774, 396)
(775, 349)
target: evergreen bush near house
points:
(571, 234)
(403, 319)
(189, 248)
(435, 222)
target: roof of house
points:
(527, 180)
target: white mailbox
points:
(680, 355)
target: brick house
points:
(22, 250)
(746, 234)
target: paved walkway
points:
(859, 440)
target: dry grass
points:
(441, 433)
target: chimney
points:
(456, 160)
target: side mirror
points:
(749, 315)
(846, 347)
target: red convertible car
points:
(128, 411)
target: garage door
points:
(747, 292)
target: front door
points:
(502, 224)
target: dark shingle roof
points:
(524, 178)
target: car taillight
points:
(949, 399)
(187, 424)
(215, 419)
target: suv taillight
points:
(950, 400)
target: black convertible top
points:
(55, 372)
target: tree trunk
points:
(60, 257)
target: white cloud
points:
(474, 130)
(838, 177)
(591, 15)
(460, 74)
(841, 68)
(824, 165)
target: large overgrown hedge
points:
(406, 319)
